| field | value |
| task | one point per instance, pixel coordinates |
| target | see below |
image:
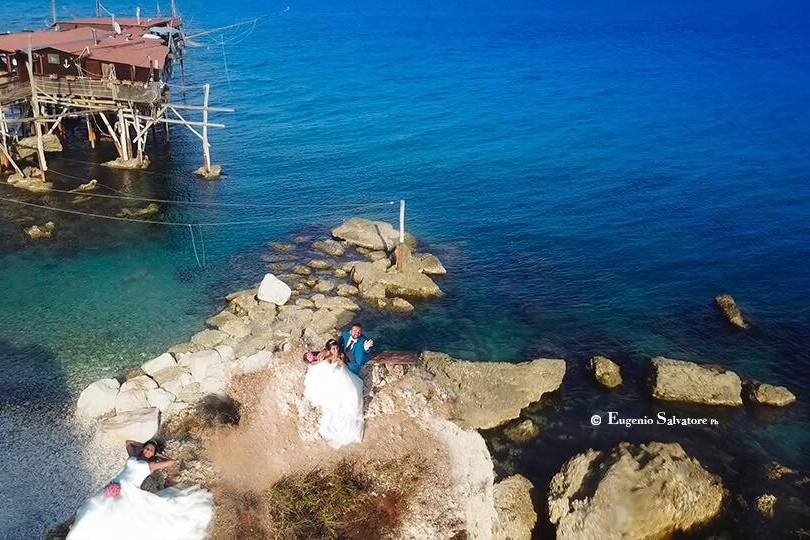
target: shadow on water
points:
(46, 478)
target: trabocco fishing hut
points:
(112, 73)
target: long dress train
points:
(176, 514)
(338, 393)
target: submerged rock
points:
(150, 209)
(679, 380)
(768, 394)
(731, 310)
(522, 432)
(129, 164)
(89, 186)
(214, 173)
(487, 394)
(319, 264)
(35, 232)
(766, 505)
(515, 515)
(33, 181)
(372, 235)
(648, 491)
(330, 247)
(279, 247)
(605, 371)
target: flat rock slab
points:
(680, 380)
(156, 364)
(273, 290)
(768, 394)
(397, 358)
(373, 235)
(487, 394)
(648, 491)
(98, 398)
(137, 425)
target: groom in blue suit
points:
(356, 347)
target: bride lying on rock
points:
(338, 393)
(123, 510)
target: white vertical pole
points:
(122, 126)
(137, 15)
(53, 11)
(402, 221)
(206, 149)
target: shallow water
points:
(592, 176)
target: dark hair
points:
(329, 343)
(157, 446)
(358, 325)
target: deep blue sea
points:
(592, 175)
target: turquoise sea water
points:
(592, 176)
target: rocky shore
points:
(229, 403)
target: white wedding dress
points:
(338, 393)
(178, 514)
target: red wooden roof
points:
(71, 40)
(139, 52)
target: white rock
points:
(138, 425)
(160, 398)
(130, 400)
(98, 399)
(156, 364)
(175, 407)
(203, 364)
(141, 382)
(273, 290)
(213, 385)
(172, 379)
(226, 353)
(255, 362)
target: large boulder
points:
(160, 398)
(768, 394)
(605, 371)
(137, 425)
(27, 146)
(203, 364)
(156, 364)
(139, 382)
(98, 399)
(330, 247)
(515, 515)
(229, 323)
(253, 364)
(487, 394)
(679, 380)
(173, 378)
(130, 400)
(373, 235)
(273, 290)
(731, 310)
(649, 491)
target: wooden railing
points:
(16, 90)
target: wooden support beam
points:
(43, 166)
(112, 134)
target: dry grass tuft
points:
(209, 412)
(350, 500)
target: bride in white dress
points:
(338, 393)
(125, 511)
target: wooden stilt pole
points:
(122, 128)
(206, 146)
(91, 132)
(113, 134)
(36, 112)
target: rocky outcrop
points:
(605, 371)
(373, 235)
(128, 164)
(515, 515)
(487, 394)
(731, 310)
(37, 232)
(330, 247)
(767, 394)
(213, 173)
(679, 380)
(89, 186)
(648, 491)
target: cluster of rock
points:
(128, 164)
(680, 380)
(32, 180)
(41, 232)
(690, 382)
(284, 312)
(728, 306)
